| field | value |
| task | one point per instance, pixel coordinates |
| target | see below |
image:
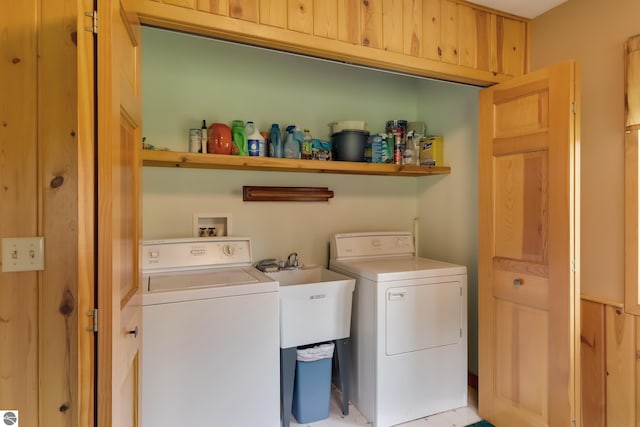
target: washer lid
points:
(391, 268)
(214, 277)
(192, 285)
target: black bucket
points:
(349, 145)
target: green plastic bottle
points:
(239, 135)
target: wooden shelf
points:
(159, 158)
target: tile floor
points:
(455, 418)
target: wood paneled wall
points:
(448, 39)
(19, 206)
(610, 339)
(632, 81)
(446, 30)
(39, 197)
(592, 337)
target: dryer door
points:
(423, 316)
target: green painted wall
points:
(188, 78)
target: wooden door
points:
(528, 292)
(119, 296)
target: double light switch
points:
(22, 254)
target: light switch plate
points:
(22, 254)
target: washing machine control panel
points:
(195, 253)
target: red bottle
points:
(219, 139)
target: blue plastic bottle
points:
(292, 144)
(275, 142)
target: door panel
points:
(532, 292)
(126, 211)
(436, 308)
(119, 140)
(521, 333)
(521, 207)
(528, 288)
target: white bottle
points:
(255, 140)
(408, 155)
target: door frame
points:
(87, 281)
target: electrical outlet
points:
(22, 254)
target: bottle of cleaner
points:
(239, 138)
(254, 139)
(263, 150)
(292, 144)
(249, 128)
(408, 155)
(219, 139)
(307, 145)
(275, 142)
(204, 132)
(298, 135)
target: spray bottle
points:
(292, 144)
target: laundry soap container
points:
(292, 144)
(255, 140)
(312, 386)
(275, 142)
(240, 146)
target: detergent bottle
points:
(292, 144)
(254, 139)
(219, 140)
(275, 142)
(239, 135)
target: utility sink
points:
(315, 305)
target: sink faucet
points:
(290, 264)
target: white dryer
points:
(408, 330)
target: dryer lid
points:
(396, 268)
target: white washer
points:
(408, 330)
(210, 347)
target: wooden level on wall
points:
(161, 158)
(251, 193)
